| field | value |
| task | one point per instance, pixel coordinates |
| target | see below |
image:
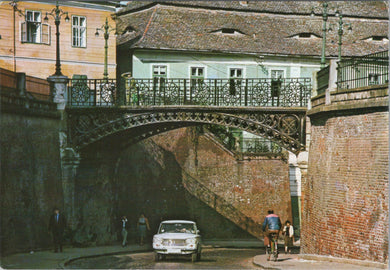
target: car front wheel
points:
(198, 256)
(158, 257)
(194, 256)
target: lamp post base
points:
(58, 90)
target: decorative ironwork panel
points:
(261, 94)
(201, 94)
(92, 92)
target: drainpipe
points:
(14, 49)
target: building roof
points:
(364, 9)
(230, 27)
(97, 5)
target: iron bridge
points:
(286, 127)
(98, 112)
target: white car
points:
(177, 237)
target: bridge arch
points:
(284, 127)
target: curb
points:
(343, 260)
(64, 263)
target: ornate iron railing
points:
(92, 92)
(372, 69)
(293, 92)
(259, 146)
(234, 141)
(322, 80)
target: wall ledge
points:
(370, 98)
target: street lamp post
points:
(57, 13)
(341, 32)
(324, 19)
(106, 29)
(325, 29)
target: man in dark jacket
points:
(273, 225)
(57, 224)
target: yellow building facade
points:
(28, 39)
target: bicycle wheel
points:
(275, 251)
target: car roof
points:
(178, 221)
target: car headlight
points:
(190, 241)
(157, 240)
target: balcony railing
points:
(372, 69)
(292, 92)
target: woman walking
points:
(142, 225)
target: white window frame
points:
(79, 32)
(42, 30)
(277, 69)
(197, 66)
(243, 72)
(159, 65)
(238, 81)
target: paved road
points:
(212, 258)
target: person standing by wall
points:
(288, 232)
(57, 224)
(142, 225)
(124, 231)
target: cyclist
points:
(273, 225)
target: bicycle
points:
(273, 235)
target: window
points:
(159, 76)
(197, 75)
(277, 74)
(235, 75)
(79, 26)
(159, 71)
(33, 30)
(305, 35)
(276, 83)
(228, 31)
(373, 79)
(377, 39)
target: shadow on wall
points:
(143, 178)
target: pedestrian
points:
(142, 225)
(288, 232)
(57, 224)
(124, 231)
(271, 225)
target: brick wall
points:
(345, 205)
(251, 185)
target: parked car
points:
(177, 237)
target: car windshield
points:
(177, 228)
